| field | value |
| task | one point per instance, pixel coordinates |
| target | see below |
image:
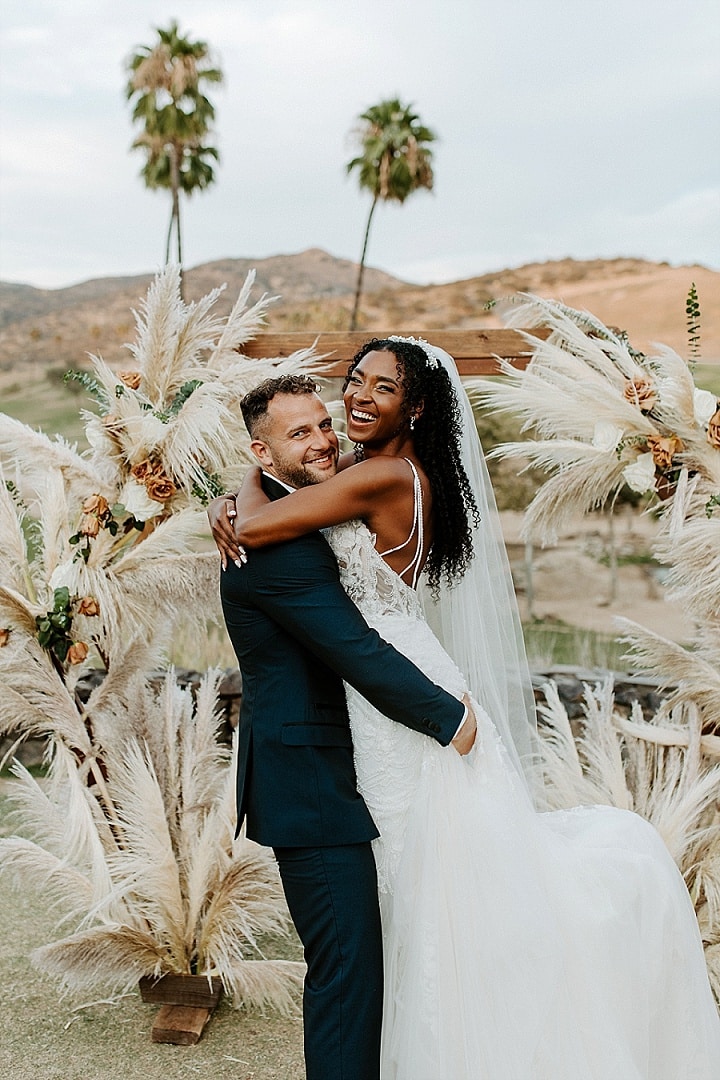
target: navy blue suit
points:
(297, 635)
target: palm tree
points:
(395, 160)
(165, 83)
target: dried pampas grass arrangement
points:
(131, 833)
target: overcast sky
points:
(584, 128)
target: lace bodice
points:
(367, 579)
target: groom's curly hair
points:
(436, 438)
(254, 405)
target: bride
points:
(518, 945)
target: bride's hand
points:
(221, 514)
(465, 738)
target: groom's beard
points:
(305, 473)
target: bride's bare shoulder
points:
(384, 467)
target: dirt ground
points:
(572, 584)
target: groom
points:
(297, 635)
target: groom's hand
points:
(465, 738)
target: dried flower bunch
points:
(98, 561)
(606, 415)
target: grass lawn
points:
(707, 377)
(47, 404)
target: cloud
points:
(582, 135)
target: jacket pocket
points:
(316, 735)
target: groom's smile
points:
(300, 445)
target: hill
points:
(56, 328)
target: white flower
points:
(640, 474)
(606, 435)
(705, 405)
(135, 499)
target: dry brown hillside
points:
(57, 328)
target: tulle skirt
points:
(522, 945)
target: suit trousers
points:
(332, 896)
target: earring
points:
(412, 423)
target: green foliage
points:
(93, 387)
(211, 487)
(395, 158)
(692, 311)
(55, 625)
(178, 401)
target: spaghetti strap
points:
(418, 528)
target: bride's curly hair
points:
(436, 438)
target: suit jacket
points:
(297, 635)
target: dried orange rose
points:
(640, 392)
(96, 504)
(130, 378)
(142, 470)
(89, 525)
(88, 606)
(663, 449)
(160, 487)
(77, 652)
(713, 433)
(4, 636)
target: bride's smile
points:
(375, 402)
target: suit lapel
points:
(272, 488)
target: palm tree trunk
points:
(175, 181)
(361, 269)
(169, 234)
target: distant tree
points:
(166, 87)
(395, 160)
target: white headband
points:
(433, 356)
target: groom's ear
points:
(261, 450)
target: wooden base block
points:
(197, 991)
(179, 1024)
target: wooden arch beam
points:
(475, 351)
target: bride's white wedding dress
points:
(518, 945)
